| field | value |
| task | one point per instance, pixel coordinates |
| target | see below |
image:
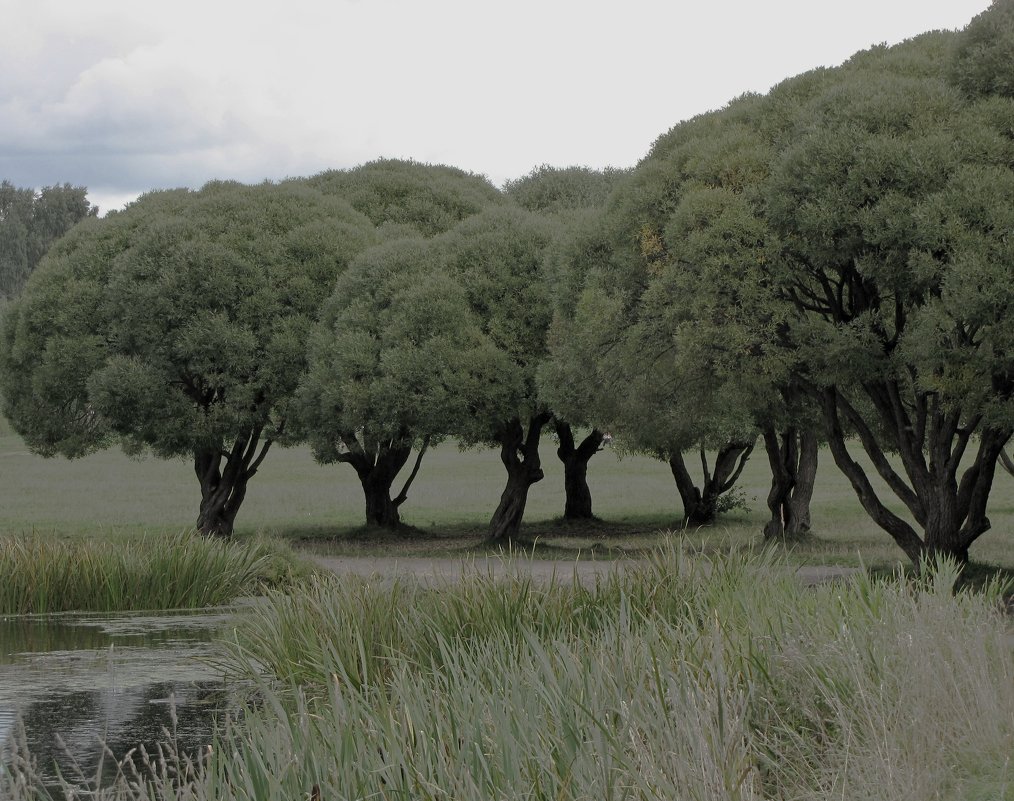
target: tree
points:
(385, 370)
(178, 326)
(891, 199)
(497, 258)
(426, 199)
(381, 372)
(711, 246)
(626, 350)
(30, 222)
(571, 196)
(557, 190)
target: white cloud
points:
(126, 95)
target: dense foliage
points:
(408, 196)
(178, 326)
(827, 262)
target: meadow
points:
(112, 497)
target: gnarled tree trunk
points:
(793, 460)
(951, 510)
(700, 505)
(223, 476)
(377, 467)
(575, 458)
(519, 453)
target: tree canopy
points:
(388, 367)
(983, 62)
(178, 326)
(563, 189)
(425, 198)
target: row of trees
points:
(829, 261)
(823, 263)
(30, 222)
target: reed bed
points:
(48, 574)
(695, 678)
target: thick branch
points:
(403, 495)
(901, 531)
(877, 456)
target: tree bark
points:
(519, 453)
(700, 505)
(951, 511)
(223, 477)
(793, 460)
(377, 465)
(575, 458)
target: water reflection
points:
(78, 681)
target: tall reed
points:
(691, 679)
(47, 574)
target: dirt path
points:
(443, 569)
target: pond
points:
(78, 683)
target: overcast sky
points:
(128, 95)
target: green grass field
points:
(110, 496)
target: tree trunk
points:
(700, 505)
(381, 510)
(520, 455)
(223, 477)
(578, 499)
(950, 511)
(377, 465)
(793, 460)
(219, 506)
(377, 476)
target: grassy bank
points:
(698, 679)
(47, 574)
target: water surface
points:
(79, 682)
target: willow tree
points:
(570, 196)
(892, 202)
(387, 366)
(179, 327)
(634, 344)
(497, 259)
(371, 339)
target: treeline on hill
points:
(831, 261)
